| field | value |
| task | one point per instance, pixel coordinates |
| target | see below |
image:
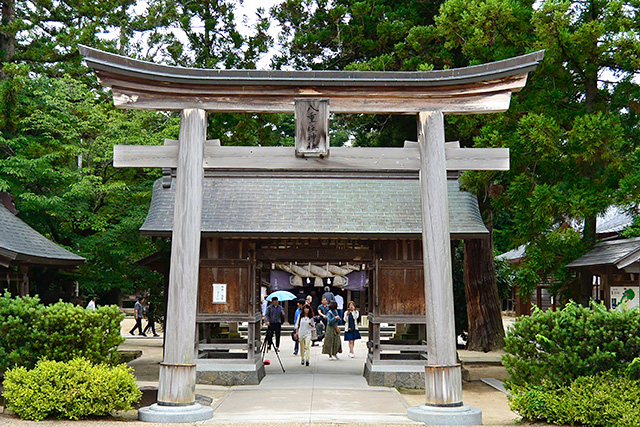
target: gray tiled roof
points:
(331, 207)
(609, 252)
(21, 243)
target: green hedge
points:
(607, 399)
(555, 348)
(74, 389)
(30, 331)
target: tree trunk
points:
(486, 331)
(8, 39)
(582, 295)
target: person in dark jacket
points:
(151, 320)
(137, 314)
(273, 319)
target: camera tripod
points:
(268, 341)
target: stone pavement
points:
(325, 392)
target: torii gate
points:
(194, 92)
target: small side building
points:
(22, 248)
(608, 227)
(614, 267)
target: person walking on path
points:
(273, 319)
(151, 320)
(328, 294)
(296, 316)
(340, 302)
(304, 331)
(137, 314)
(332, 343)
(351, 332)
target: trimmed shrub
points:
(607, 399)
(30, 331)
(555, 348)
(17, 346)
(74, 389)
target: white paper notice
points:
(219, 293)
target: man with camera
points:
(274, 317)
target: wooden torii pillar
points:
(479, 89)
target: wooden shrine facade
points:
(195, 93)
(252, 223)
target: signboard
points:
(627, 295)
(312, 127)
(219, 293)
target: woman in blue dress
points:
(351, 333)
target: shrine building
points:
(251, 224)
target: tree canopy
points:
(573, 131)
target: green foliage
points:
(555, 348)
(57, 161)
(607, 399)
(504, 277)
(211, 37)
(318, 34)
(74, 389)
(545, 262)
(30, 331)
(571, 132)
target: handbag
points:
(294, 336)
(314, 332)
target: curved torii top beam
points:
(144, 85)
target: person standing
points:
(332, 344)
(304, 328)
(323, 310)
(92, 304)
(351, 332)
(137, 314)
(296, 316)
(151, 320)
(328, 294)
(340, 302)
(315, 300)
(273, 319)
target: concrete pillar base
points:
(446, 416)
(175, 414)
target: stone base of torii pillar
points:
(175, 414)
(442, 416)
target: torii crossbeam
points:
(431, 94)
